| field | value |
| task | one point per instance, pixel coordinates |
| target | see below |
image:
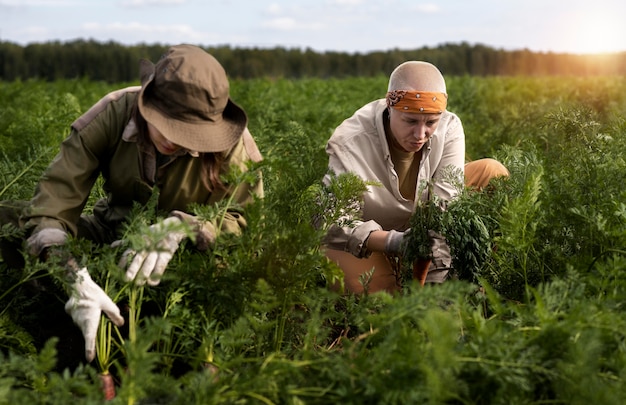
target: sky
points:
(560, 26)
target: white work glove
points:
(149, 265)
(87, 302)
(45, 238)
(393, 242)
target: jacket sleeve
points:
(63, 189)
(452, 158)
(65, 186)
(350, 232)
(351, 239)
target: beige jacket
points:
(359, 146)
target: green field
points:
(254, 322)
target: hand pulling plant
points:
(462, 227)
(426, 221)
(104, 271)
(104, 356)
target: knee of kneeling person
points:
(479, 173)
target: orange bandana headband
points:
(425, 102)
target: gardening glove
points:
(86, 303)
(149, 265)
(393, 242)
(38, 242)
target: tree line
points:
(114, 62)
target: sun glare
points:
(598, 33)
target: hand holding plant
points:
(148, 265)
(394, 242)
(87, 302)
(462, 227)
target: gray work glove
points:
(87, 302)
(393, 242)
(47, 237)
(148, 265)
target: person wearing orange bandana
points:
(398, 142)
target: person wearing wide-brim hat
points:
(177, 136)
(185, 96)
(399, 143)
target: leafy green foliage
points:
(536, 316)
(469, 239)
(460, 222)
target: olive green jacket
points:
(105, 142)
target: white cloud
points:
(38, 3)
(137, 27)
(274, 9)
(146, 3)
(291, 24)
(351, 25)
(345, 2)
(147, 32)
(34, 31)
(428, 8)
(281, 23)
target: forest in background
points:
(113, 62)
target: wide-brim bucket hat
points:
(185, 95)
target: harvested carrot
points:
(420, 270)
(108, 386)
(211, 370)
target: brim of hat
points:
(198, 136)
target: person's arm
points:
(54, 211)
(64, 188)
(349, 233)
(453, 157)
(377, 241)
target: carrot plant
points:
(546, 327)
